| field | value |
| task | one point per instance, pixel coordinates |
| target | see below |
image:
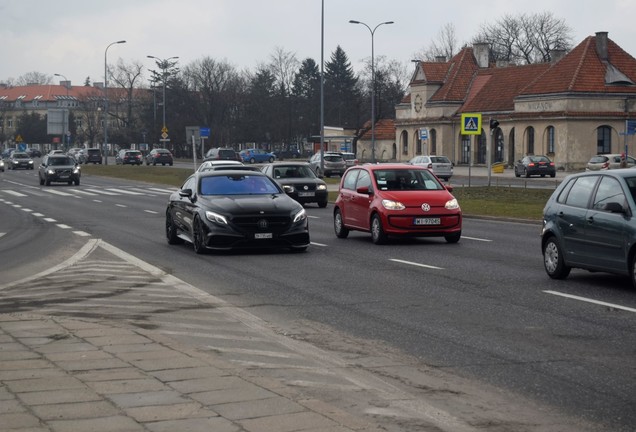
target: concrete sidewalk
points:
(70, 375)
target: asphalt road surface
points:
(482, 310)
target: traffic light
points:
(494, 124)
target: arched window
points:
(418, 143)
(433, 138)
(604, 140)
(481, 147)
(530, 140)
(405, 142)
(499, 145)
(550, 139)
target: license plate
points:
(426, 221)
(305, 194)
(263, 236)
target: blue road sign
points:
(204, 132)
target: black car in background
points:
(537, 165)
(19, 160)
(159, 156)
(299, 182)
(92, 155)
(129, 157)
(59, 168)
(221, 153)
(222, 210)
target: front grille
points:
(63, 172)
(254, 223)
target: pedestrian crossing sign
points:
(471, 124)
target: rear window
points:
(92, 151)
(598, 159)
(440, 159)
(227, 153)
(334, 158)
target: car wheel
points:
(378, 236)
(517, 173)
(553, 175)
(338, 225)
(41, 181)
(198, 236)
(322, 204)
(77, 182)
(252, 160)
(453, 238)
(271, 159)
(70, 182)
(553, 260)
(171, 231)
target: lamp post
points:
(372, 84)
(105, 149)
(163, 65)
(63, 117)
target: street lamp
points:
(63, 117)
(164, 65)
(372, 84)
(105, 149)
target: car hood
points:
(417, 198)
(250, 204)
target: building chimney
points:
(556, 55)
(440, 58)
(481, 52)
(66, 84)
(601, 45)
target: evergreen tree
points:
(306, 99)
(342, 97)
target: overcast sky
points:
(69, 37)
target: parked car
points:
(60, 169)
(441, 166)
(92, 155)
(588, 223)
(54, 152)
(19, 160)
(299, 182)
(608, 161)
(349, 158)
(333, 164)
(7, 152)
(222, 153)
(257, 156)
(33, 152)
(535, 165)
(224, 210)
(129, 157)
(396, 200)
(159, 156)
(291, 153)
(75, 153)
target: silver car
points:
(333, 164)
(608, 161)
(441, 166)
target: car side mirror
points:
(614, 207)
(185, 193)
(364, 190)
(449, 187)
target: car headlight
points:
(215, 217)
(30, 162)
(76, 170)
(452, 204)
(392, 205)
(288, 188)
(300, 216)
(321, 187)
(50, 172)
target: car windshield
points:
(298, 171)
(538, 159)
(17, 155)
(404, 179)
(237, 184)
(61, 161)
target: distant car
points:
(92, 155)
(291, 153)
(396, 200)
(1, 165)
(224, 210)
(257, 156)
(59, 169)
(7, 152)
(209, 165)
(54, 152)
(33, 152)
(129, 157)
(159, 156)
(333, 164)
(608, 161)
(537, 165)
(441, 166)
(19, 160)
(222, 153)
(588, 223)
(349, 158)
(299, 182)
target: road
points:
(480, 314)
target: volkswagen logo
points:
(426, 207)
(262, 224)
(306, 187)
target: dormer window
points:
(615, 77)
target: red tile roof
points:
(384, 130)
(48, 92)
(459, 76)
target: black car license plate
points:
(426, 221)
(260, 236)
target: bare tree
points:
(33, 78)
(525, 38)
(127, 77)
(444, 45)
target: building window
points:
(433, 138)
(465, 149)
(604, 140)
(405, 143)
(550, 139)
(481, 148)
(418, 143)
(499, 145)
(530, 142)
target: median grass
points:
(494, 201)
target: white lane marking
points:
(124, 191)
(588, 300)
(1, 234)
(84, 192)
(416, 264)
(102, 192)
(14, 193)
(476, 239)
(38, 214)
(121, 205)
(318, 244)
(17, 205)
(50, 220)
(313, 217)
(97, 201)
(167, 191)
(27, 210)
(151, 211)
(63, 226)
(81, 233)
(56, 192)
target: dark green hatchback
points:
(589, 222)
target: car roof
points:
(212, 173)
(289, 163)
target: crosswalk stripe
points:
(14, 193)
(101, 192)
(124, 191)
(56, 192)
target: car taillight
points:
(430, 166)
(531, 164)
(605, 165)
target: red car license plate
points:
(426, 221)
